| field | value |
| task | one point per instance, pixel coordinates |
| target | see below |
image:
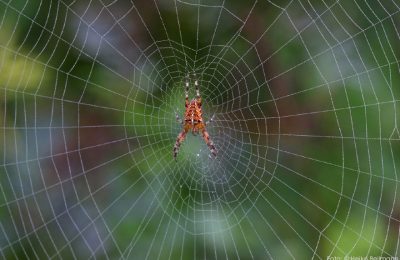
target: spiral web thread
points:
(305, 96)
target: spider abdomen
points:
(193, 114)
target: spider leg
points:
(179, 140)
(196, 85)
(209, 142)
(210, 120)
(187, 90)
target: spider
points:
(193, 120)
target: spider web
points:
(305, 96)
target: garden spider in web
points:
(193, 119)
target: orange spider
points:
(193, 120)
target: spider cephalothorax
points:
(193, 120)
